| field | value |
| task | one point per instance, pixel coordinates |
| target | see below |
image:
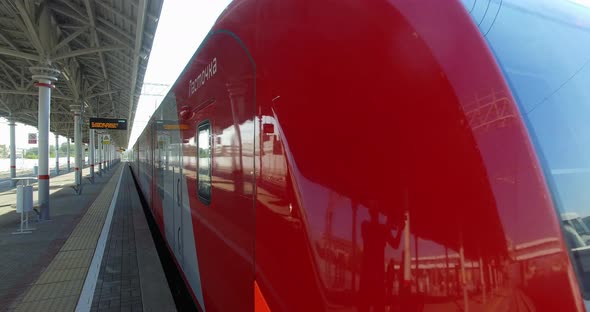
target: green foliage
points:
(4, 152)
(63, 150)
(32, 153)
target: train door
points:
(170, 158)
(178, 203)
(155, 180)
(217, 100)
(167, 193)
(150, 169)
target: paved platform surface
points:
(131, 276)
(59, 287)
(62, 266)
(56, 184)
(5, 181)
(24, 257)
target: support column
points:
(483, 280)
(355, 207)
(11, 123)
(100, 157)
(106, 156)
(463, 274)
(77, 144)
(91, 153)
(44, 76)
(68, 152)
(56, 154)
(83, 149)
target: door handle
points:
(179, 240)
(178, 192)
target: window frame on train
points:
(204, 193)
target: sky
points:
(182, 27)
(21, 133)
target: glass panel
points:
(204, 173)
(545, 60)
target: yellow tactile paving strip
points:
(59, 286)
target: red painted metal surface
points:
(225, 226)
(366, 155)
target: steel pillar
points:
(91, 153)
(106, 157)
(44, 76)
(100, 158)
(56, 154)
(11, 123)
(68, 152)
(83, 149)
(105, 151)
(77, 144)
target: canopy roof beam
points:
(30, 27)
(141, 14)
(87, 51)
(33, 93)
(19, 54)
(69, 38)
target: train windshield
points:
(543, 49)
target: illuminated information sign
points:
(107, 123)
(169, 125)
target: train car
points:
(378, 156)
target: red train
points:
(379, 156)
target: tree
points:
(4, 153)
(63, 149)
(32, 153)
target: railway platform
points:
(95, 254)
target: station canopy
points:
(100, 47)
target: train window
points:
(204, 162)
(552, 90)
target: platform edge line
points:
(87, 294)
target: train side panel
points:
(216, 100)
(352, 156)
(414, 178)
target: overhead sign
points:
(170, 125)
(108, 123)
(32, 138)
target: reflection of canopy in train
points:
(468, 214)
(314, 168)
